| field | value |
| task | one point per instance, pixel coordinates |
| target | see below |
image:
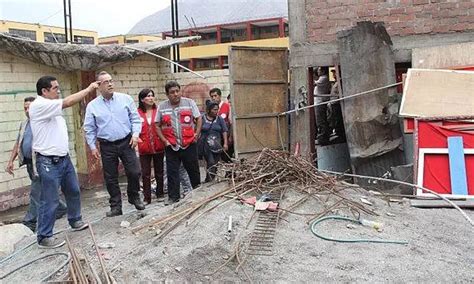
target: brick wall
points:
(18, 80)
(402, 17)
(145, 71)
(196, 87)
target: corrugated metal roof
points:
(211, 12)
(71, 57)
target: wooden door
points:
(259, 92)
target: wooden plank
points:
(254, 134)
(438, 93)
(423, 203)
(258, 84)
(457, 166)
(260, 65)
(253, 99)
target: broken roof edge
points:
(74, 57)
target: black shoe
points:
(114, 212)
(170, 201)
(31, 226)
(138, 204)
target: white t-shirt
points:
(50, 137)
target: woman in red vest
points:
(150, 147)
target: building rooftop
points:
(203, 13)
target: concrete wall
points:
(18, 80)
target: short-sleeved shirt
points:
(50, 137)
(165, 108)
(213, 126)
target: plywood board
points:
(438, 93)
(259, 84)
(266, 98)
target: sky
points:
(107, 17)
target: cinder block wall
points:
(18, 80)
(214, 79)
(145, 71)
(402, 17)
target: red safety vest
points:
(186, 120)
(224, 112)
(151, 143)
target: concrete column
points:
(372, 127)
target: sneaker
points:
(50, 243)
(138, 204)
(114, 212)
(79, 225)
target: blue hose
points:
(313, 230)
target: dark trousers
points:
(322, 124)
(111, 152)
(145, 161)
(211, 164)
(189, 158)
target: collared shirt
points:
(27, 142)
(50, 137)
(111, 119)
(165, 107)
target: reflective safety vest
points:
(150, 142)
(186, 121)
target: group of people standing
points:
(174, 131)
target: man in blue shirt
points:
(113, 120)
(23, 150)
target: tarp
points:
(83, 57)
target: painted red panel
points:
(436, 174)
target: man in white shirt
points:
(53, 164)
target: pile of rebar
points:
(270, 170)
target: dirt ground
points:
(439, 249)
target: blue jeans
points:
(35, 191)
(54, 173)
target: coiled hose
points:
(334, 217)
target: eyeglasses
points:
(107, 82)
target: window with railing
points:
(228, 35)
(54, 37)
(131, 41)
(206, 64)
(23, 33)
(265, 32)
(83, 39)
